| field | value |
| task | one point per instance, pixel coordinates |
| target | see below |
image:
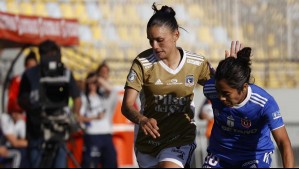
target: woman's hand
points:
(234, 49)
(149, 126)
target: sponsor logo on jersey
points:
(246, 123)
(132, 76)
(238, 131)
(154, 143)
(230, 121)
(276, 115)
(158, 82)
(171, 104)
(189, 81)
(173, 82)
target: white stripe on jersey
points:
(256, 102)
(148, 61)
(209, 88)
(195, 58)
(258, 99)
(194, 54)
(259, 96)
(212, 91)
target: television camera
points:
(57, 121)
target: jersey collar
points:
(174, 71)
(246, 99)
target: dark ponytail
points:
(163, 17)
(236, 71)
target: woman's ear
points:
(245, 87)
(176, 35)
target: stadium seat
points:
(93, 11)
(205, 35)
(195, 11)
(53, 9)
(67, 10)
(97, 32)
(81, 12)
(3, 6)
(27, 8)
(123, 33)
(12, 7)
(40, 9)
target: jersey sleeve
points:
(135, 76)
(209, 90)
(206, 72)
(273, 115)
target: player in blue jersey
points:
(245, 115)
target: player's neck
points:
(174, 60)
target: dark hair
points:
(30, 56)
(164, 16)
(87, 90)
(102, 65)
(48, 46)
(236, 71)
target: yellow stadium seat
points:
(195, 11)
(97, 32)
(81, 13)
(67, 10)
(117, 14)
(103, 53)
(105, 9)
(130, 12)
(12, 7)
(205, 35)
(26, 8)
(123, 32)
(40, 9)
(271, 40)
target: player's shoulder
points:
(260, 95)
(194, 58)
(193, 55)
(209, 89)
(146, 58)
(257, 90)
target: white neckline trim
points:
(246, 99)
(168, 69)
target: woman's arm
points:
(148, 125)
(15, 142)
(284, 145)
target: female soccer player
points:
(244, 115)
(166, 75)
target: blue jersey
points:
(243, 132)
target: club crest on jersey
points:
(132, 76)
(246, 123)
(230, 121)
(189, 81)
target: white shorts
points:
(181, 156)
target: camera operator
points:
(30, 100)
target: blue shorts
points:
(261, 161)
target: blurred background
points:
(115, 31)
